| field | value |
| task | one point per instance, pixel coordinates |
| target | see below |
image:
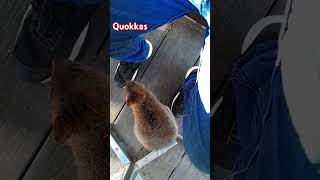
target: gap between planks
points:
(35, 154)
(177, 165)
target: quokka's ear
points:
(62, 129)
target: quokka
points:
(79, 105)
(154, 124)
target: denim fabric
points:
(270, 145)
(196, 126)
(130, 45)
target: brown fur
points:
(154, 123)
(79, 104)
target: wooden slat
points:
(23, 125)
(116, 94)
(163, 166)
(54, 161)
(186, 171)
(232, 20)
(178, 52)
(24, 117)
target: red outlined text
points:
(129, 27)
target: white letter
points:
(115, 26)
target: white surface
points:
(116, 148)
(203, 76)
(154, 154)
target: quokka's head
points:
(134, 92)
(79, 99)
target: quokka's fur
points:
(79, 105)
(154, 123)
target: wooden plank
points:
(186, 171)
(162, 167)
(24, 121)
(178, 52)
(54, 161)
(23, 126)
(232, 20)
(116, 94)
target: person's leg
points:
(193, 102)
(271, 148)
(193, 106)
(49, 27)
(129, 45)
(196, 126)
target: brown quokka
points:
(154, 124)
(79, 105)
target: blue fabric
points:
(130, 45)
(196, 127)
(270, 145)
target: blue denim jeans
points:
(270, 144)
(130, 45)
(196, 126)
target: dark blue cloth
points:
(271, 149)
(196, 126)
(130, 45)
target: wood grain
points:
(163, 166)
(24, 117)
(54, 161)
(186, 171)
